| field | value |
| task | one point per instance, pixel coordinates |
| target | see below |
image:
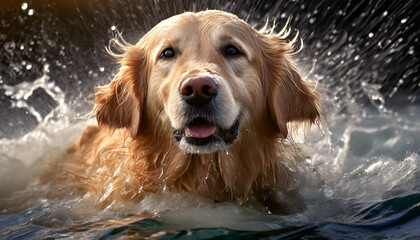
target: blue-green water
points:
(364, 54)
(394, 218)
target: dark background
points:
(351, 43)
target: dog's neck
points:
(234, 173)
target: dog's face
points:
(204, 75)
(210, 76)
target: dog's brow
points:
(229, 39)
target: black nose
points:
(198, 90)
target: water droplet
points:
(46, 68)
(9, 47)
(356, 57)
(28, 67)
(308, 160)
(384, 13)
(31, 12)
(21, 104)
(411, 51)
(24, 6)
(113, 27)
(101, 69)
(311, 20)
(371, 35)
(403, 20)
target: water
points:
(364, 54)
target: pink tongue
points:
(200, 130)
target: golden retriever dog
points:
(201, 104)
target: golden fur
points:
(133, 153)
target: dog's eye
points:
(232, 50)
(167, 53)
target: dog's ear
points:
(290, 97)
(120, 104)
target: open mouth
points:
(200, 128)
(205, 135)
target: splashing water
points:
(363, 54)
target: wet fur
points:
(132, 152)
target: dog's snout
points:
(198, 90)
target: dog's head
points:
(211, 77)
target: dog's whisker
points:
(285, 31)
(264, 28)
(293, 42)
(273, 27)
